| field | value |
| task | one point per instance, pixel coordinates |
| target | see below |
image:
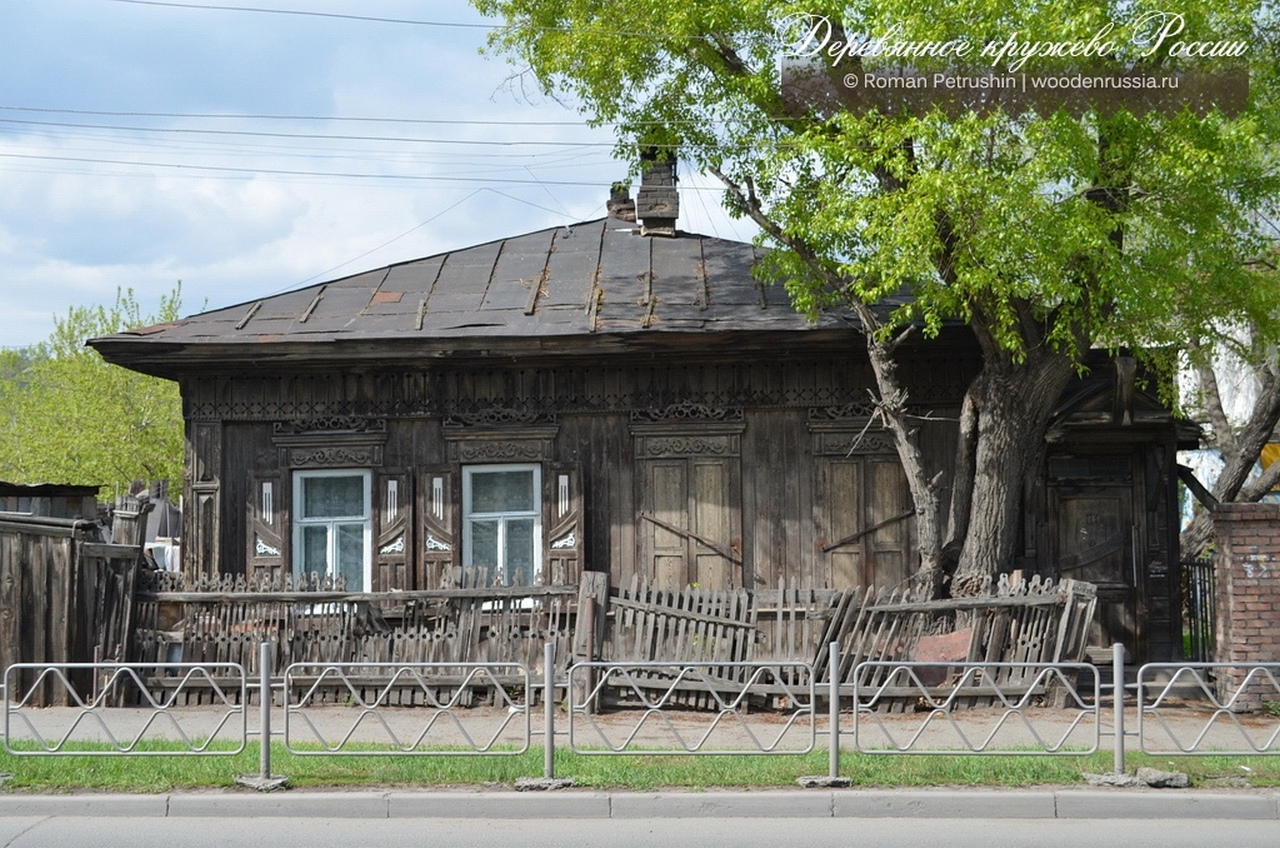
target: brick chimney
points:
(620, 204)
(658, 201)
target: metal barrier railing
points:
(220, 731)
(710, 709)
(1221, 726)
(437, 725)
(722, 691)
(1018, 692)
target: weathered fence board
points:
(64, 596)
(224, 620)
(1036, 621)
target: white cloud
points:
(216, 210)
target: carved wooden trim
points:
(688, 411)
(500, 444)
(330, 425)
(657, 446)
(363, 456)
(835, 435)
(330, 442)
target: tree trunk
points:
(893, 406)
(1013, 403)
(1240, 450)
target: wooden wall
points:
(723, 474)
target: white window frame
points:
(535, 514)
(300, 522)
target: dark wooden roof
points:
(599, 282)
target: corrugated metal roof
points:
(596, 277)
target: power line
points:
(308, 14)
(400, 21)
(295, 173)
(368, 119)
(313, 136)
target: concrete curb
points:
(930, 803)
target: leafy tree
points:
(1237, 395)
(69, 417)
(1047, 234)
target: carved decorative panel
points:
(499, 444)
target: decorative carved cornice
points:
(688, 411)
(510, 443)
(860, 411)
(330, 425)
(336, 457)
(846, 443)
(499, 416)
(668, 446)
(490, 451)
(647, 394)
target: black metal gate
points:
(1198, 583)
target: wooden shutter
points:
(267, 521)
(690, 526)
(562, 529)
(440, 522)
(392, 530)
(864, 530)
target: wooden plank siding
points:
(753, 496)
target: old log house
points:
(624, 398)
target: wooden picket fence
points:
(1037, 621)
(225, 619)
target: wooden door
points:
(1093, 538)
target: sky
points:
(247, 147)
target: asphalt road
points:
(115, 832)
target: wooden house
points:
(616, 397)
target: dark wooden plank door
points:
(1092, 538)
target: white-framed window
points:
(502, 522)
(333, 526)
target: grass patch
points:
(639, 772)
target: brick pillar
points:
(1248, 596)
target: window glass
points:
(333, 497)
(502, 491)
(315, 550)
(350, 553)
(518, 550)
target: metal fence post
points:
(1117, 699)
(549, 707)
(264, 701)
(263, 781)
(833, 709)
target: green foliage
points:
(1038, 230)
(69, 417)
